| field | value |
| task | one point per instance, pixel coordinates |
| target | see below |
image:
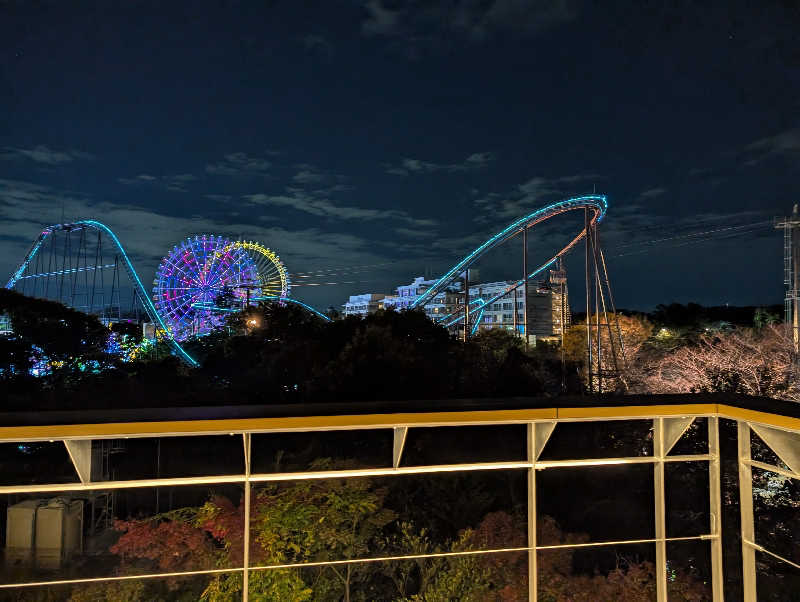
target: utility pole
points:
(597, 294)
(466, 304)
(516, 330)
(525, 277)
(588, 303)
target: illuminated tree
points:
(634, 331)
(64, 338)
(752, 362)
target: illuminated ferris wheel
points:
(206, 276)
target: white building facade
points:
(545, 311)
(361, 305)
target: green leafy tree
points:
(312, 521)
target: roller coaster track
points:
(276, 298)
(126, 262)
(597, 204)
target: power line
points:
(697, 241)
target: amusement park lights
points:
(207, 276)
(151, 310)
(598, 204)
(201, 278)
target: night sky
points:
(400, 135)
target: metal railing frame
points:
(667, 429)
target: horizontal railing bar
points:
(120, 578)
(773, 468)
(348, 561)
(595, 544)
(755, 546)
(301, 565)
(336, 474)
(133, 484)
(690, 458)
(376, 472)
(612, 461)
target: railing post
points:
(715, 508)
(246, 537)
(746, 510)
(532, 585)
(658, 491)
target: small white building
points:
(361, 305)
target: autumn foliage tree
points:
(633, 331)
(748, 361)
(339, 519)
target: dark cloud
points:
(318, 44)
(239, 164)
(175, 183)
(530, 195)
(45, 155)
(420, 21)
(782, 144)
(409, 166)
(308, 202)
(653, 192)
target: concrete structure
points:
(542, 309)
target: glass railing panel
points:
(130, 531)
(302, 451)
(776, 511)
(138, 458)
(335, 519)
(686, 498)
(595, 503)
(688, 570)
(602, 573)
(465, 445)
(35, 462)
(694, 441)
(600, 439)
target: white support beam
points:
(400, 433)
(543, 430)
(532, 452)
(775, 469)
(246, 451)
(660, 520)
(80, 452)
(785, 444)
(746, 511)
(246, 539)
(674, 428)
(715, 509)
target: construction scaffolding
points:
(791, 275)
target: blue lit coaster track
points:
(596, 205)
(73, 271)
(53, 268)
